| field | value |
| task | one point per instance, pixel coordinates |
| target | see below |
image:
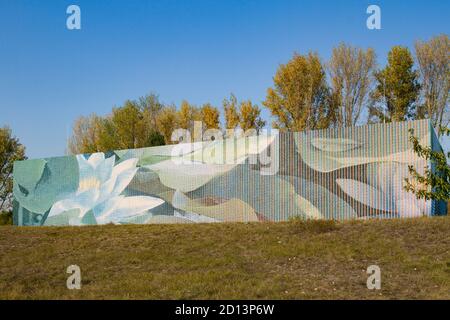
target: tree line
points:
(147, 122)
(307, 93)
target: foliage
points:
(247, 116)
(433, 58)
(187, 115)
(85, 135)
(299, 98)
(434, 183)
(397, 88)
(10, 150)
(210, 116)
(155, 139)
(231, 112)
(133, 125)
(250, 117)
(6, 218)
(167, 122)
(150, 107)
(350, 70)
(127, 127)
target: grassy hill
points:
(294, 260)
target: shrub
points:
(6, 218)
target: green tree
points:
(127, 122)
(155, 138)
(299, 98)
(433, 59)
(397, 88)
(434, 182)
(133, 125)
(250, 117)
(107, 135)
(10, 150)
(351, 77)
(6, 218)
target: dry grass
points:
(294, 260)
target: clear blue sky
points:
(195, 50)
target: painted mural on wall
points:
(338, 174)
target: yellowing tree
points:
(167, 122)
(299, 99)
(250, 117)
(231, 112)
(433, 59)
(187, 115)
(86, 134)
(351, 76)
(210, 116)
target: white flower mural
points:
(338, 173)
(98, 199)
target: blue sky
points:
(195, 50)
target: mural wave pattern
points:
(346, 173)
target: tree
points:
(250, 117)
(167, 122)
(127, 123)
(231, 112)
(351, 77)
(433, 59)
(107, 135)
(150, 106)
(155, 139)
(210, 116)
(85, 136)
(300, 96)
(133, 125)
(10, 150)
(6, 218)
(434, 183)
(123, 129)
(187, 115)
(397, 88)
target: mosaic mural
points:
(347, 173)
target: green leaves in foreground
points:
(434, 183)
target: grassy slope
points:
(259, 260)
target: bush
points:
(155, 139)
(6, 218)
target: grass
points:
(292, 260)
